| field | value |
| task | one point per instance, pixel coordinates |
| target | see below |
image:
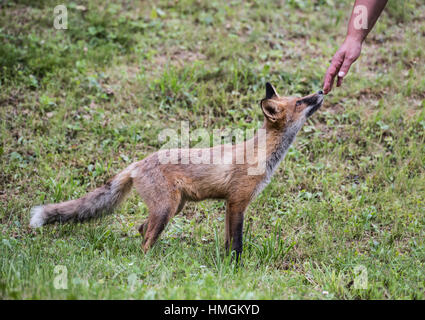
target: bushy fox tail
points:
(100, 201)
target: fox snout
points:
(313, 102)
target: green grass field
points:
(79, 105)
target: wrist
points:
(355, 38)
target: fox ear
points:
(269, 111)
(270, 91)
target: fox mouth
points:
(314, 103)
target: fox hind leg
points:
(162, 207)
(156, 223)
(142, 228)
(157, 220)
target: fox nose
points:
(320, 92)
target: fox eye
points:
(298, 103)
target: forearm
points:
(363, 17)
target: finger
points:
(344, 70)
(329, 80)
(333, 69)
(327, 86)
(339, 81)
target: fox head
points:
(283, 112)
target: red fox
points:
(165, 187)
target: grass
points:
(78, 105)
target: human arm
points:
(363, 17)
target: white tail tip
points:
(37, 219)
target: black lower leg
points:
(142, 229)
(237, 244)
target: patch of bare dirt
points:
(177, 57)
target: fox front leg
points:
(234, 226)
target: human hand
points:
(341, 63)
